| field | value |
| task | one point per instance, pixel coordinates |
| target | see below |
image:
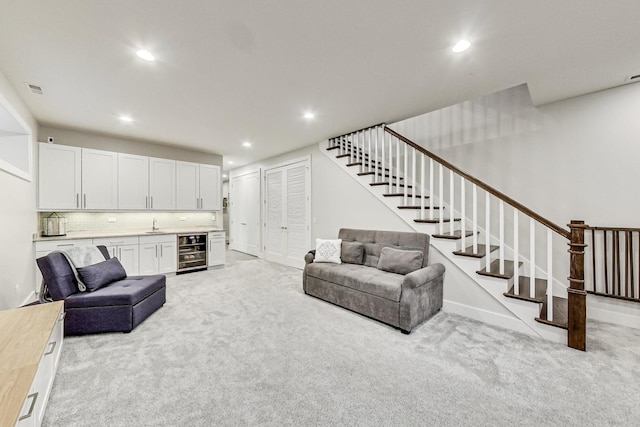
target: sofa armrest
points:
(422, 276)
(309, 257)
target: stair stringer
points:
(524, 311)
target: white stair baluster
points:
(422, 178)
(549, 275)
(431, 197)
(532, 258)
(487, 230)
(441, 197)
(379, 167)
(382, 152)
(474, 207)
(405, 174)
(369, 151)
(463, 215)
(391, 170)
(516, 256)
(413, 176)
(451, 201)
(397, 165)
(501, 213)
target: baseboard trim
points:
(610, 310)
(491, 318)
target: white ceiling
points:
(234, 71)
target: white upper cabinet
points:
(162, 184)
(80, 178)
(99, 179)
(198, 186)
(188, 186)
(133, 182)
(59, 177)
(210, 186)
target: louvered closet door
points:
(287, 228)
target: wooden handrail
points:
(613, 228)
(360, 130)
(525, 210)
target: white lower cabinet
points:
(126, 249)
(216, 248)
(35, 402)
(158, 254)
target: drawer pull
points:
(66, 244)
(33, 396)
(53, 347)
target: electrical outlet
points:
(183, 218)
(213, 217)
(112, 219)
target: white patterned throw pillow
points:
(328, 251)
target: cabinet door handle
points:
(33, 396)
(161, 251)
(77, 200)
(66, 244)
(85, 200)
(151, 202)
(53, 347)
(119, 253)
(156, 251)
(146, 202)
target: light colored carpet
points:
(243, 345)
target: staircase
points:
(503, 246)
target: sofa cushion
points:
(359, 277)
(127, 291)
(328, 250)
(375, 240)
(352, 252)
(98, 275)
(399, 261)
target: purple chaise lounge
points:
(117, 307)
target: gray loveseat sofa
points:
(384, 275)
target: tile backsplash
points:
(112, 221)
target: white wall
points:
(18, 220)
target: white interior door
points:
(245, 213)
(287, 213)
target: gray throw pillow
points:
(101, 274)
(400, 261)
(352, 252)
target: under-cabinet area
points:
(149, 253)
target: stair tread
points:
(480, 253)
(434, 221)
(416, 207)
(335, 147)
(494, 269)
(524, 289)
(456, 235)
(354, 164)
(339, 156)
(560, 313)
(387, 183)
(402, 195)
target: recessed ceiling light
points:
(461, 46)
(309, 115)
(230, 162)
(126, 119)
(146, 55)
(246, 144)
(224, 175)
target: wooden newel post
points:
(577, 318)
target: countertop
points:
(96, 234)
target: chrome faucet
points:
(155, 225)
